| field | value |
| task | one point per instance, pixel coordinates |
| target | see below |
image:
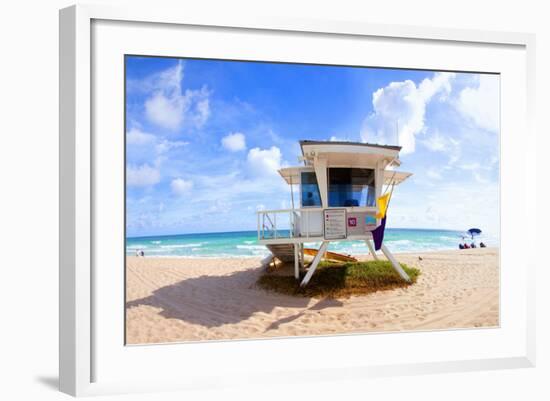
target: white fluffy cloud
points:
(138, 137)
(180, 186)
(164, 111)
(436, 142)
(481, 103)
(234, 142)
(399, 110)
(202, 108)
(264, 161)
(142, 176)
(169, 106)
(442, 144)
(164, 145)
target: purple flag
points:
(378, 234)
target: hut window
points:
(310, 190)
(351, 187)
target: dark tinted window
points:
(351, 187)
(310, 190)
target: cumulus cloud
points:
(436, 142)
(234, 142)
(264, 161)
(147, 154)
(164, 145)
(142, 176)
(399, 110)
(138, 137)
(169, 106)
(180, 186)
(202, 108)
(444, 144)
(481, 103)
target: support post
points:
(371, 249)
(320, 166)
(258, 218)
(315, 263)
(296, 262)
(302, 260)
(397, 267)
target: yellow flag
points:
(383, 202)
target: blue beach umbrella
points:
(474, 232)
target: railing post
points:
(275, 225)
(291, 221)
(307, 221)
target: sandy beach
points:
(184, 299)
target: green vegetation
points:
(336, 280)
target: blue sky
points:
(204, 139)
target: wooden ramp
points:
(285, 253)
(331, 255)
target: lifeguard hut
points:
(343, 193)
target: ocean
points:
(245, 243)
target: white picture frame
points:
(78, 318)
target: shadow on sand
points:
(213, 301)
(51, 382)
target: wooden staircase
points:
(283, 252)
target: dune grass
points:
(337, 280)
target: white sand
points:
(205, 299)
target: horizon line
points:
(243, 231)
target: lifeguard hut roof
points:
(369, 145)
(350, 154)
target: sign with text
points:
(335, 223)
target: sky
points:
(205, 138)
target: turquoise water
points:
(245, 243)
